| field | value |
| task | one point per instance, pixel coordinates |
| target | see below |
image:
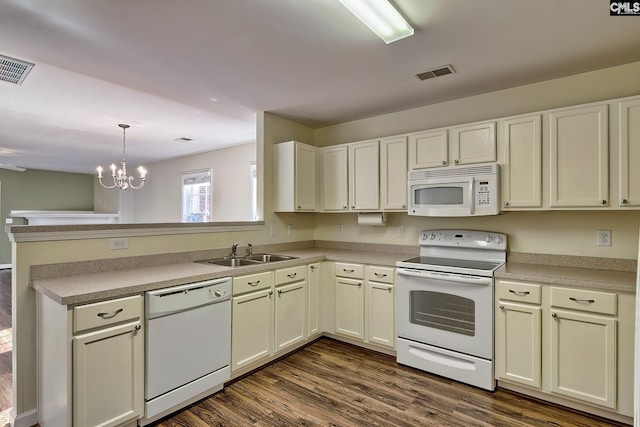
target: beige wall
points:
(570, 232)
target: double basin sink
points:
(231, 261)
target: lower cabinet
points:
(290, 307)
(571, 344)
(365, 303)
(91, 362)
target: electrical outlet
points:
(290, 229)
(400, 231)
(604, 238)
(274, 229)
(340, 228)
(122, 243)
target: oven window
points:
(438, 196)
(443, 311)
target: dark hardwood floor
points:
(330, 383)
(6, 393)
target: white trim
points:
(42, 236)
(5, 266)
(25, 419)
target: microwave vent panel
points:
(436, 72)
(13, 70)
(453, 171)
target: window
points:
(196, 196)
(254, 191)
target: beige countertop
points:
(621, 281)
(83, 288)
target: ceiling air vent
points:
(436, 72)
(13, 70)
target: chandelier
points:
(120, 178)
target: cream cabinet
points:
(518, 339)
(428, 149)
(290, 311)
(629, 152)
(294, 177)
(380, 306)
(91, 362)
(393, 173)
(570, 345)
(520, 145)
(313, 300)
(579, 156)
(349, 300)
(335, 178)
(252, 319)
(364, 176)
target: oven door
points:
(446, 310)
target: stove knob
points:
(488, 238)
(218, 293)
(432, 236)
(499, 239)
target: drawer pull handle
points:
(347, 271)
(351, 284)
(519, 293)
(253, 299)
(312, 267)
(280, 291)
(291, 276)
(111, 315)
(380, 274)
(254, 284)
(582, 301)
(383, 288)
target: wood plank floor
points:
(330, 383)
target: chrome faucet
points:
(249, 249)
(234, 250)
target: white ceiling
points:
(202, 68)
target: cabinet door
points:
(519, 343)
(380, 314)
(290, 314)
(313, 300)
(334, 179)
(350, 307)
(393, 173)
(251, 328)
(629, 155)
(579, 149)
(521, 141)
(108, 376)
(583, 357)
(474, 143)
(364, 175)
(428, 149)
(305, 177)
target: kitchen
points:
(572, 232)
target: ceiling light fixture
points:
(120, 178)
(381, 17)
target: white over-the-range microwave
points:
(454, 191)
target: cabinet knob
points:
(344, 207)
(456, 161)
(299, 207)
(353, 206)
(506, 204)
(554, 315)
(604, 202)
(138, 327)
(404, 206)
(625, 201)
(501, 307)
(444, 162)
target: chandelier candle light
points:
(120, 178)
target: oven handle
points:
(426, 274)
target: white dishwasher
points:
(188, 345)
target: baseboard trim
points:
(25, 419)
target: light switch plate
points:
(340, 228)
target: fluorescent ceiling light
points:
(381, 17)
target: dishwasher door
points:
(186, 345)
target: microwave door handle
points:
(472, 202)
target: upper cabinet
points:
(294, 177)
(364, 176)
(393, 173)
(521, 172)
(579, 156)
(472, 143)
(334, 166)
(629, 152)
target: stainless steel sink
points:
(230, 262)
(269, 257)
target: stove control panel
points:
(464, 239)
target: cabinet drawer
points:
(293, 274)
(355, 271)
(380, 274)
(252, 282)
(105, 313)
(521, 292)
(580, 299)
